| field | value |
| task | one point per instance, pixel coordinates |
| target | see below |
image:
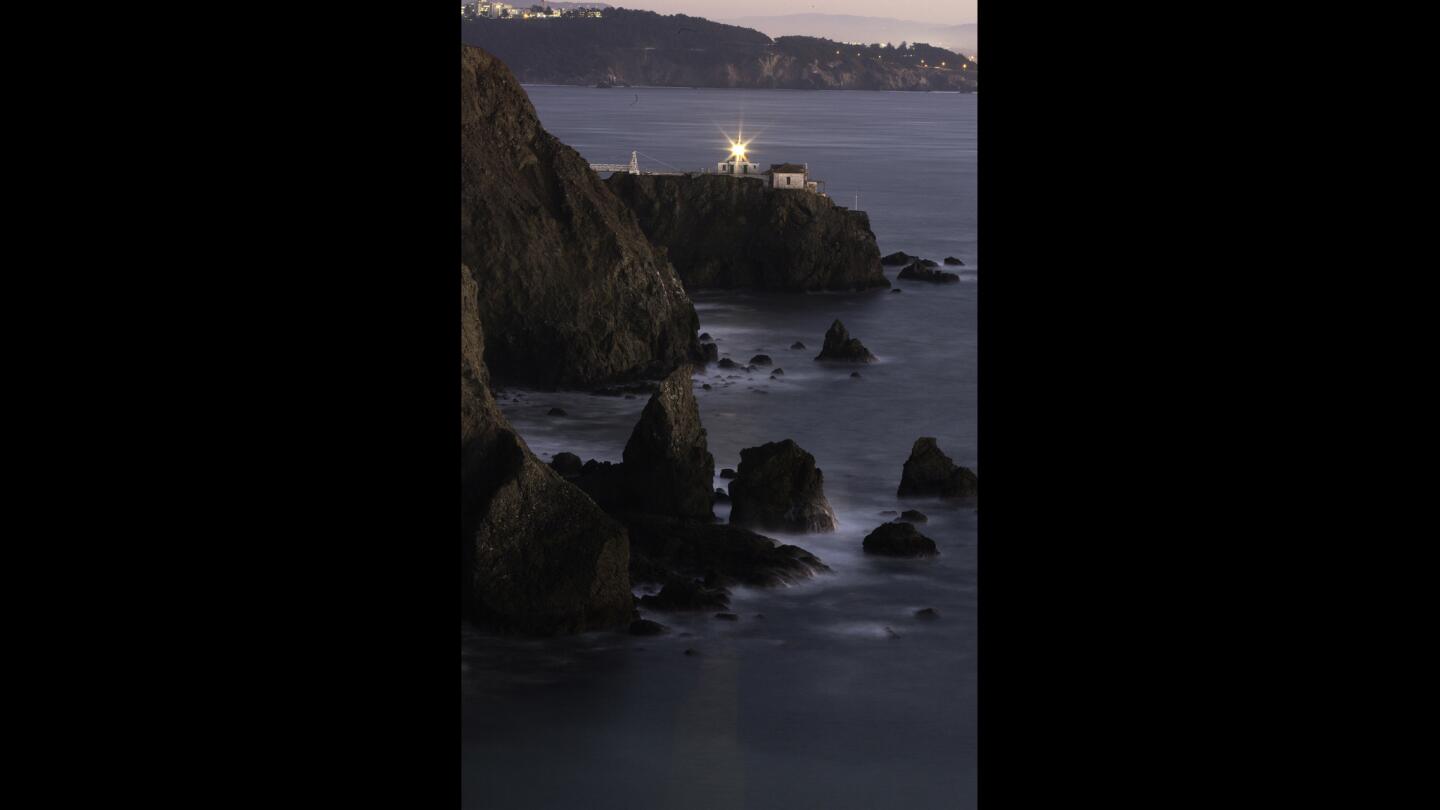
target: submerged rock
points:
(913, 516)
(761, 360)
(899, 540)
(778, 487)
(927, 614)
(668, 469)
(728, 617)
(726, 362)
(839, 346)
(797, 345)
(954, 261)
(556, 412)
(666, 548)
(721, 496)
(687, 594)
(929, 472)
(916, 272)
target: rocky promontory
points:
(538, 556)
(569, 288)
(734, 232)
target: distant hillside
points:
(645, 48)
(848, 28)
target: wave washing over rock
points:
(569, 288)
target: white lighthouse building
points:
(737, 165)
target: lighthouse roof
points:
(787, 168)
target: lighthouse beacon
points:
(737, 165)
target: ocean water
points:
(829, 694)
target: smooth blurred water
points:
(817, 704)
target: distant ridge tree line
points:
(646, 48)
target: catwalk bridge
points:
(633, 167)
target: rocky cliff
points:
(569, 289)
(732, 232)
(537, 555)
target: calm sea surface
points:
(838, 697)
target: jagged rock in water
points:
(954, 261)
(664, 548)
(721, 496)
(668, 469)
(705, 336)
(726, 362)
(899, 540)
(537, 555)
(778, 487)
(727, 473)
(709, 352)
(687, 594)
(567, 464)
(571, 291)
(797, 345)
(840, 347)
(779, 372)
(761, 360)
(929, 472)
(913, 516)
(729, 232)
(926, 262)
(928, 614)
(917, 272)
(898, 257)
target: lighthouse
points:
(737, 165)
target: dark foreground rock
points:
(899, 540)
(667, 468)
(929, 472)
(778, 487)
(727, 232)
(840, 347)
(898, 257)
(665, 548)
(537, 555)
(645, 627)
(569, 288)
(917, 272)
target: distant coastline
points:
(645, 49)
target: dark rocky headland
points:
(568, 287)
(726, 232)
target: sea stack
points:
(778, 487)
(840, 347)
(668, 468)
(929, 472)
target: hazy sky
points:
(934, 11)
